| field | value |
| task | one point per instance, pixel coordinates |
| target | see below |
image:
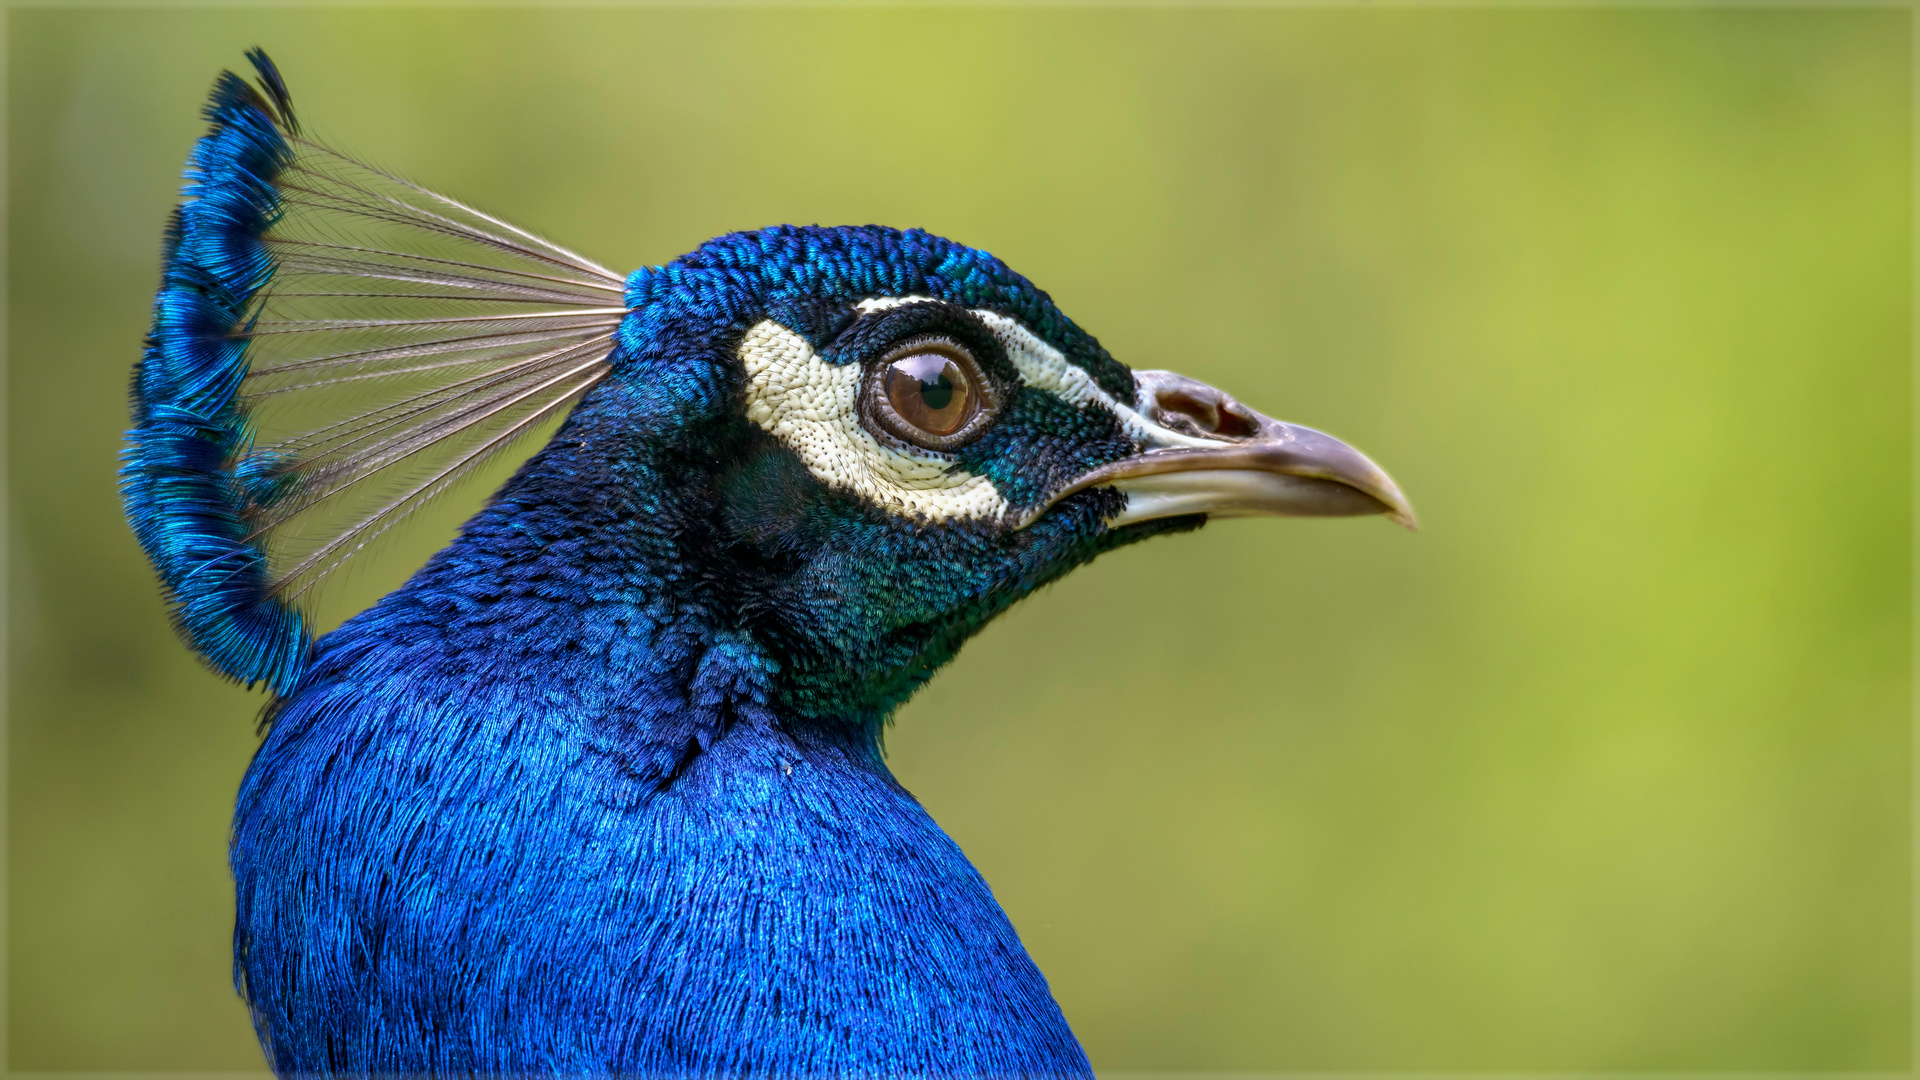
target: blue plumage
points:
(600, 790)
(185, 498)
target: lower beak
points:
(1208, 454)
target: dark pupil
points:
(936, 395)
(931, 392)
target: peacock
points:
(600, 789)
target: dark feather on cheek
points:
(765, 494)
(1041, 443)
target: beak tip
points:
(1394, 504)
(1399, 510)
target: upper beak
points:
(1205, 453)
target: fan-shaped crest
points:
(332, 347)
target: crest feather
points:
(332, 346)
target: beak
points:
(1205, 453)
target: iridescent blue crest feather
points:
(331, 347)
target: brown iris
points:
(930, 392)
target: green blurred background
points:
(1608, 768)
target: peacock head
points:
(848, 448)
(904, 437)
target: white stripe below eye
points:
(812, 407)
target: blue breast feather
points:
(459, 850)
(600, 790)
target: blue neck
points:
(544, 810)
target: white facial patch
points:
(813, 407)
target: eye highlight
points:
(930, 392)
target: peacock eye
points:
(930, 392)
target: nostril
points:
(1236, 422)
(1202, 414)
(1207, 415)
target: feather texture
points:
(331, 348)
(600, 790)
